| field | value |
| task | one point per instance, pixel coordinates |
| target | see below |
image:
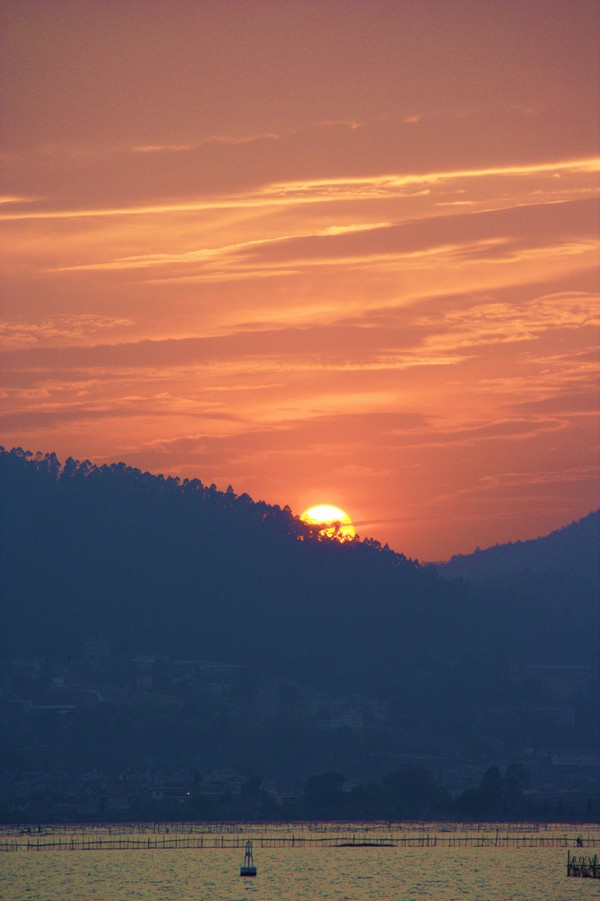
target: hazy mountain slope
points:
(182, 569)
(159, 566)
(182, 572)
(574, 548)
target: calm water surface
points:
(300, 873)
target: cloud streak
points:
(311, 191)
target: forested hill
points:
(161, 566)
(575, 548)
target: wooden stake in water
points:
(586, 867)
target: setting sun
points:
(336, 523)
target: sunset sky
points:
(326, 252)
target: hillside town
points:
(57, 766)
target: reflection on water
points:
(303, 872)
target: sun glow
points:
(335, 522)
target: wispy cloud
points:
(61, 330)
(321, 190)
(214, 254)
(212, 139)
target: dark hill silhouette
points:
(179, 568)
(167, 566)
(575, 548)
(179, 571)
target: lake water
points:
(305, 872)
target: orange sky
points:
(332, 251)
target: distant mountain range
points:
(575, 547)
